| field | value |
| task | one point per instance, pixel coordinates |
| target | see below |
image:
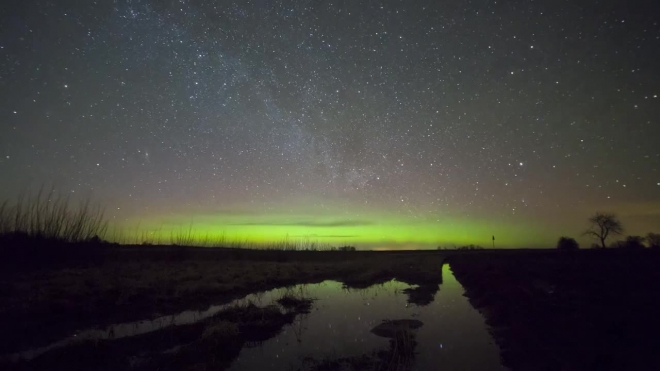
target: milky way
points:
(386, 124)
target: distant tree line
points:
(602, 227)
(465, 247)
(343, 248)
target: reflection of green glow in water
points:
(364, 229)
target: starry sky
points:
(383, 124)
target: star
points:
(405, 127)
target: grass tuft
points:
(50, 217)
(296, 304)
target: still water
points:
(453, 335)
(449, 333)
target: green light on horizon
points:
(371, 231)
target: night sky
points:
(384, 124)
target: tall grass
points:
(46, 215)
(188, 236)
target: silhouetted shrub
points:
(470, 247)
(96, 240)
(631, 243)
(653, 240)
(567, 244)
(346, 248)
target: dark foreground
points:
(46, 300)
(592, 310)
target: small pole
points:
(493, 242)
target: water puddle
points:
(453, 335)
(343, 326)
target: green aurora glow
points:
(366, 229)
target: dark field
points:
(590, 310)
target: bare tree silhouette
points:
(603, 226)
